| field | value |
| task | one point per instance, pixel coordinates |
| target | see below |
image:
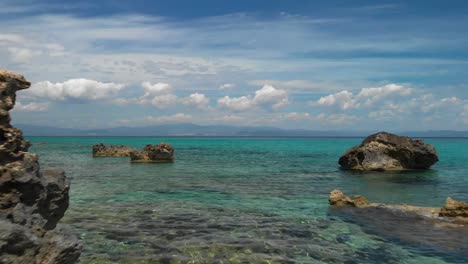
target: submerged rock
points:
(101, 150)
(385, 151)
(162, 152)
(453, 211)
(31, 202)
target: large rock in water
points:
(162, 152)
(101, 150)
(385, 151)
(31, 202)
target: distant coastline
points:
(209, 131)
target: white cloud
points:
(367, 97)
(31, 107)
(197, 100)
(74, 89)
(237, 104)
(226, 86)
(267, 95)
(176, 118)
(442, 104)
(370, 96)
(343, 100)
(156, 89)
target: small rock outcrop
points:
(339, 199)
(101, 150)
(162, 152)
(31, 201)
(454, 208)
(384, 151)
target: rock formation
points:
(339, 199)
(453, 211)
(162, 152)
(454, 208)
(31, 202)
(101, 150)
(384, 151)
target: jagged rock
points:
(31, 202)
(162, 152)
(454, 208)
(101, 150)
(384, 151)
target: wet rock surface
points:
(384, 151)
(31, 202)
(101, 150)
(162, 152)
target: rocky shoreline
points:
(453, 212)
(32, 201)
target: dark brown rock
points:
(31, 202)
(101, 150)
(384, 151)
(162, 152)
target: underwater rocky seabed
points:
(232, 200)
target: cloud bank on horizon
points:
(363, 65)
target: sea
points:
(253, 200)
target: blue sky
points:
(360, 65)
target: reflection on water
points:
(250, 201)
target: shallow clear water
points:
(252, 200)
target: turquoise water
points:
(251, 200)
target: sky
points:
(318, 65)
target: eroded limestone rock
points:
(162, 152)
(31, 202)
(384, 151)
(101, 150)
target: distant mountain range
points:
(217, 131)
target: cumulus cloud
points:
(367, 97)
(156, 89)
(31, 107)
(266, 96)
(343, 100)
(370, 96)
(74, 89)
(176, 118)
(237, 103)
(197, 100)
